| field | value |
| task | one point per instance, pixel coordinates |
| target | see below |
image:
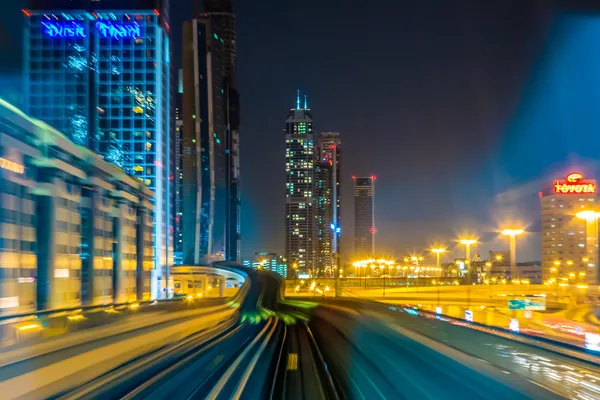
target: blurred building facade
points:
(364, 216)
(300, 229)
(100, 72)
(74, 229)
(178, 186)
(224, 26)
(569, 243)
(327, 200)
(204, 141)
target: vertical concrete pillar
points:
(45, 210)
(118, 241)
(140, 274)
(88, 217)
(222, 282)
(205, 285)
(513, 257)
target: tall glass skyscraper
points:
(99, 71)
(223, 21)
(205, 150)
(327, 200)
(364, 215)
(300, 229)
(178, 224)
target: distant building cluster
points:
(313, 198)
(269, 262)
(313, 174)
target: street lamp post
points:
(383, 277)
(295, 269)
(467, 243)
(512, 234)
(437, 252)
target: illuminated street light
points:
(512, 234)
(467, 243)
(438, 251)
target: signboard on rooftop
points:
(574, 183)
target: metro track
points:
(302, 373)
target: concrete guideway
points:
(48, 366)
(77, 338)
(46, 381)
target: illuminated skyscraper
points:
(223, 21)
(364, 215)
(99, 71)
(178, 223)
(327, 199)
(204, 143)
(300, 188)
(569, 243)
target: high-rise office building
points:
(300, 188)
(223, 20)
(327, 200)
(364, 215)
(76, 230)
(205, 148)
(99, 71)
(178, 178)
(570, 239)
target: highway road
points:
(373, 360)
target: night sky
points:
(463, 110)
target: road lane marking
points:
(292, 362)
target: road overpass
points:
(448, 293)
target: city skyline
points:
(488, 174)
(232, 199)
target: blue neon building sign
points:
(64, 30)
(106, 29)
(118, 31)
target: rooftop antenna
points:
(298, 100)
